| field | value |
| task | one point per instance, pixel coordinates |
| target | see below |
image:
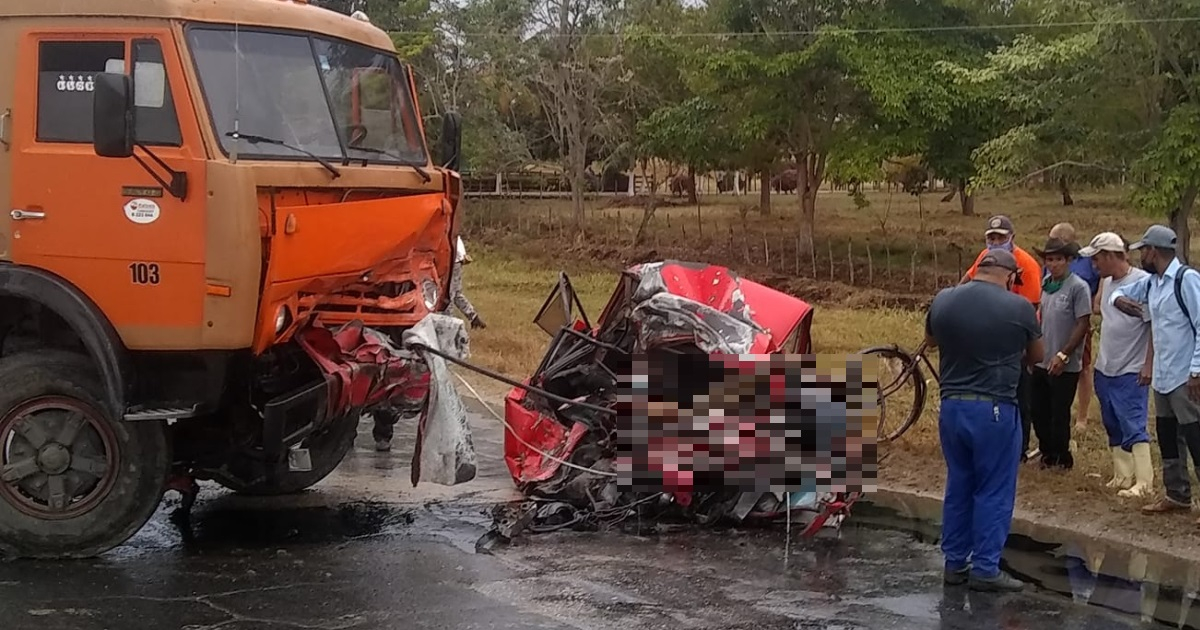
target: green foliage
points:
(1170, 165)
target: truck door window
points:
(66, 83)
(155, 117)
(66, 80)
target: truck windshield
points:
(331, 98)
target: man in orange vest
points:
(999, 235)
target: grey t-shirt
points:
(1060, 311)
(1123, 338)
(982, 331)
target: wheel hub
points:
(58, 458)
(54, 459)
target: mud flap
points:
(444, 452)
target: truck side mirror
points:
(450, 153)
(112, 116)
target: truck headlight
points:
(430, 290)
(281, 319)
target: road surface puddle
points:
(1156, 588)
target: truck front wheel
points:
(74, 481)
(327, 449)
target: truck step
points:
(161, 412)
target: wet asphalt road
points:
(366, 550)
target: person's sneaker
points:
(383, 446)
(1002, 583)
(956, 578)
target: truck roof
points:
(290, 14)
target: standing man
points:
(1081, 267)
(984, 334)
(1123, 367)
(1171, 294)
(456, 288)
(1000, 234)
(1066, 315)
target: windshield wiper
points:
(417, 167)
(253, 139)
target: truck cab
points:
(217, 207)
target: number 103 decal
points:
(144, 273)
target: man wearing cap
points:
(1171, 296)
(1066, 314)
(1000, 235)
(984, 333)
(1081, 267)
(1123, 369)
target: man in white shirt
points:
(1171, 295)
(1123, 369)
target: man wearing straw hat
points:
(1066, 316)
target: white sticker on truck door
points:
(142, 211)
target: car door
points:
(108, 225)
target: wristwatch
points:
(1062, 357)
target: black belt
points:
(976, 398)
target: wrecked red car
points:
(577, 446)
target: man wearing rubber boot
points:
(1171, 294)
(986, 336)
(1000, 234)
(1123, 370)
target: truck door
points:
(107, 225)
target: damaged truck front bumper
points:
(362, 369)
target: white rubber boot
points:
(1143, 468)
(1123, 469)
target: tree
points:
(577, 65)
(1119, 91)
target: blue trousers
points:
(981, 441)
(1124, 408)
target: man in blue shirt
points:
(1176, 371)
(984, 333)
(1082, 268)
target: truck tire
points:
(326, 449)
(74, 481)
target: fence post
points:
(870, 267)
(912, 272)
(850, 259)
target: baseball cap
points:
(999, 224)
(999, 258)
(1156, 236)
(1103, 242)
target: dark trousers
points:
(1175, 442)
(1050, 399)
(385, 424)
(1023, 409)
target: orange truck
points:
(222, 212)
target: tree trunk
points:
(647, 214)
(1065, 190)
(578, 157)
(968, 201)
(1179, 222)
(810, 173)
(764, 192)
(950, 195)
(691, 178)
